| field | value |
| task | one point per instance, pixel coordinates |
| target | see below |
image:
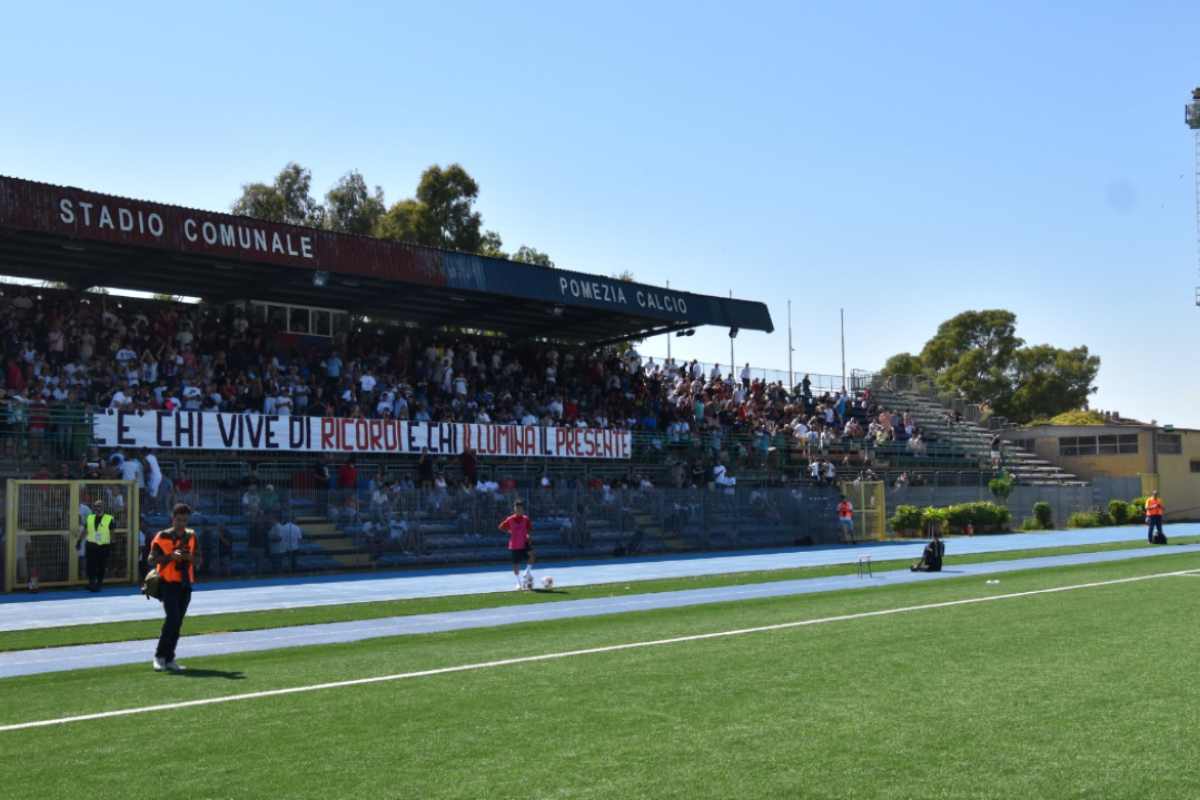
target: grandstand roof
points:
(84, 238)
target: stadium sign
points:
(46, 227)
(614, 294)
(266, 433)
(217, 235)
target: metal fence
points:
(56, 434)
(42, 539)
(246, 533)
(1063, 500)
(819, 383)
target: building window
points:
(302, 320)
(1078, 446)
(298, 320)
(1127, 443)
(1107, 445)
(1196, 466)
(1170, 444)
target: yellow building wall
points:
(1111, 465)
(1178, 486)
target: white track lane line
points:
(506, 662)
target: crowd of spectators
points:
(66, 354)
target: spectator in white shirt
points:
(131, 470)
(121, 399)
(155, 477)
(722, 478)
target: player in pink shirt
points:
(520, 543)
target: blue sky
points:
(903, 161)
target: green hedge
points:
(983, 516)
(906, 518)
(1043, 515)
(934, 519)
(1138, 507)
(1090, 519)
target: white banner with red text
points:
(264, 433)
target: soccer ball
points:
(547, 582)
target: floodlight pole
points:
(1191, 115)
(843, 313)
(791, 375)
(670, 335)
(732, 364)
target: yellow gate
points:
(869, 499)
(45, 522)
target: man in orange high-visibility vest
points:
(173, 552)
(1154, 515)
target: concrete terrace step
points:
(1024, 466)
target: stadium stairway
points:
(1025, 467)
(330, 543)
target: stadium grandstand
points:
(391, 398)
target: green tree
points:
(903, 364)
(399, 222)
(441, 215)
(491, 245)
(1048, 380)
(971, 355)
(978, 356)
(448, 217)
(531, 255)
(351, 208)
(288, 199)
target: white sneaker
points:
(173, 666)
(159, 664)
(520, 586)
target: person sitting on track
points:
(931, 558)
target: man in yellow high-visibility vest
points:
(97, 531)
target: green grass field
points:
(1083, 693)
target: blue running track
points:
(122, 604)
(57, 659)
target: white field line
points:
(506, 662)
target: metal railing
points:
(819, 383)
(244, 534)
(30, 436)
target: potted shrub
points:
(906, 521)
(1043, 513)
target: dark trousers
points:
(96, 556)
(1155, 523)
(175, 599)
